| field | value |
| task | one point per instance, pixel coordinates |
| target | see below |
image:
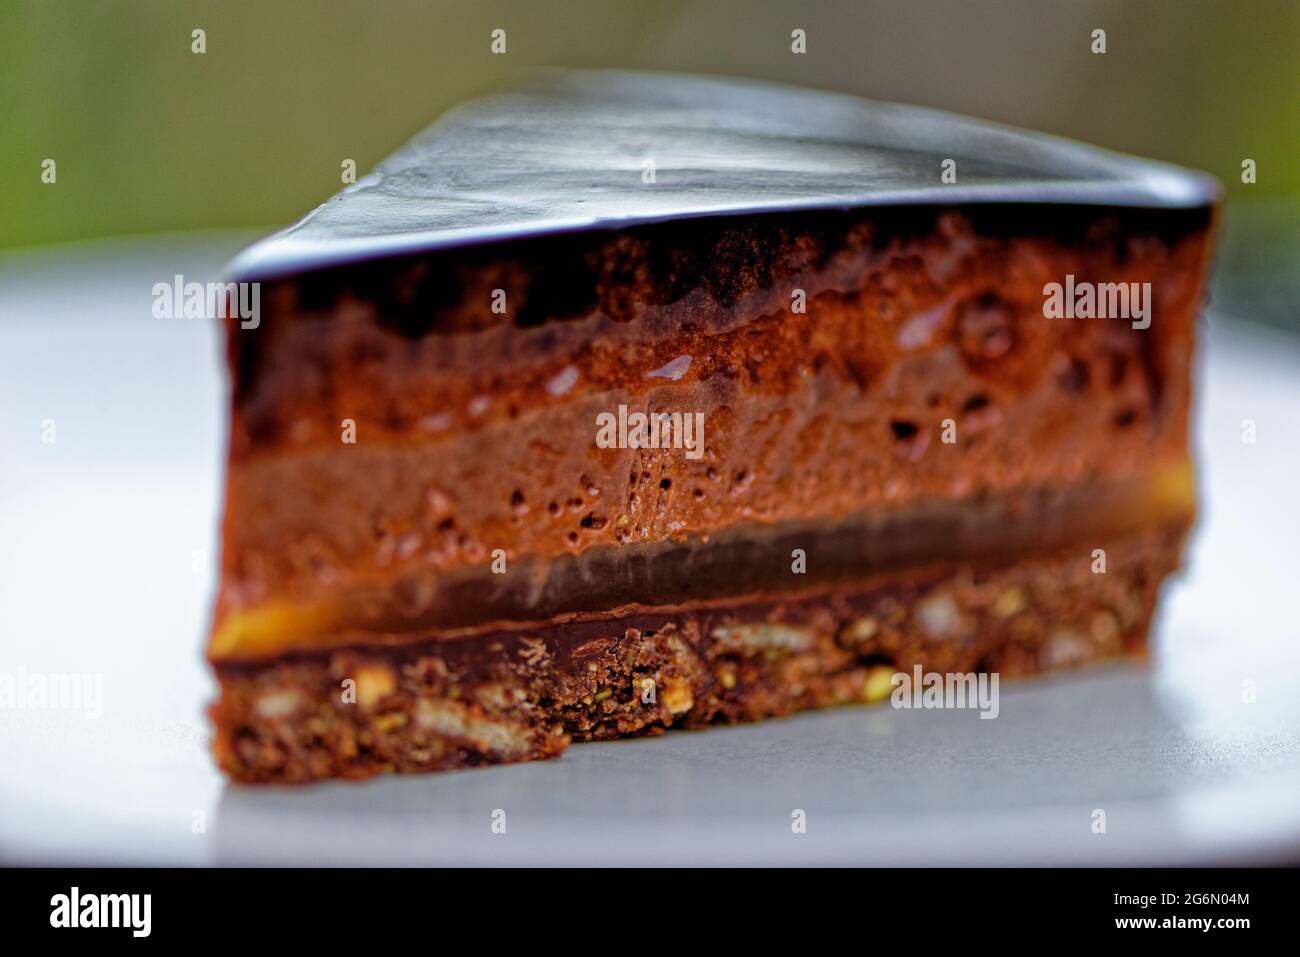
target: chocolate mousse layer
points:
(919, 369)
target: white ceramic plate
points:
(107, 548)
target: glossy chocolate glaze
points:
(601, 150)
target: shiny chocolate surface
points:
(581, 150)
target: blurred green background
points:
(151, 137)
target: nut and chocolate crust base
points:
(524, 694)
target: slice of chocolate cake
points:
(628, 402)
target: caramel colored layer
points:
(742, 561)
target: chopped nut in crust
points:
(1105, 629)
(375, 681)
(534, 651)
(1010, 602)
(862, 629)
(1065, 647)
(938, 616)
(677, 696)
(454, 720)
(280, 703)
(763, 637)
(879, 683)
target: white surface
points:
(107, 547)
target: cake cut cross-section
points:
(626, 402)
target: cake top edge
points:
(582, 150)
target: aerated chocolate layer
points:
(476, 431)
